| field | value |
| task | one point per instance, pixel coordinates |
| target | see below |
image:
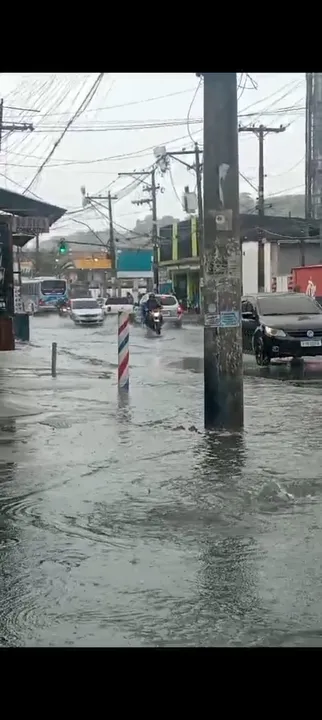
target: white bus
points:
(41, 294)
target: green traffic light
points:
(63, 247)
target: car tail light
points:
(41, 302)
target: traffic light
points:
(62, 247)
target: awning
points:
(24, 206)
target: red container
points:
(308, 279)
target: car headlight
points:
(274, 332)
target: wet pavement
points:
(125, 524)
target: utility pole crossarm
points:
(261, 129)
(12, 127)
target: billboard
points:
(134, 263)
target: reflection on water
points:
(123, 523)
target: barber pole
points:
(123, 350)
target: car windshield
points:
(291, 304)
(166, 300)
(85, 304)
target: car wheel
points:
(296, 362)
(261, 356)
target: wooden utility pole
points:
(152, 202)
(111, 233)
(261, 131)
(222, 265)
(12, 127)
(87, 199)
(37, 254)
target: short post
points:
(123, 351)
(54, 359)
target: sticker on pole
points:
(229, 318)
(212, 320)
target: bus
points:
(41, 294)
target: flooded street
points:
(125, 524)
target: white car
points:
(171, 310)
(114, 305)
(86, 311)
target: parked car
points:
(86, 311)
(171, 309)
(280, 325)
(114, 305)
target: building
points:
(288, 242)
(21, 219)
(179, 260)
(93, 269)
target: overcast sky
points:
(105, 141)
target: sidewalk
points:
(191, 319)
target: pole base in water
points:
(7, 341)
(21, 326)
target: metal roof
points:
(24, 206)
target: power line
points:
(188, 121)
(135, 102)
(81, 108)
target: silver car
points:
(86, 311)
(171, 310)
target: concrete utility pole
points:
(261, 131)
(222, 265)
(152, 202)
(308, 146)
(197, 167)
(154, 232)
(12, 127)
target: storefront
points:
(186, 284)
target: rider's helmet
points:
(152, 295)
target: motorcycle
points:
(62, 311)
(155, 321)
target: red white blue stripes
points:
(123, 350)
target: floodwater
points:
(124, 524)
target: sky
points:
(114, 135)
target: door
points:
(180, 283)
(249, 324)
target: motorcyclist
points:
(61, 304)
(150, 305)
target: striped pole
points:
(123, 350)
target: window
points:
(53, 286)
(166, 300)
(288, 304)
(84, 304)
(118, 301)
(248, 307)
